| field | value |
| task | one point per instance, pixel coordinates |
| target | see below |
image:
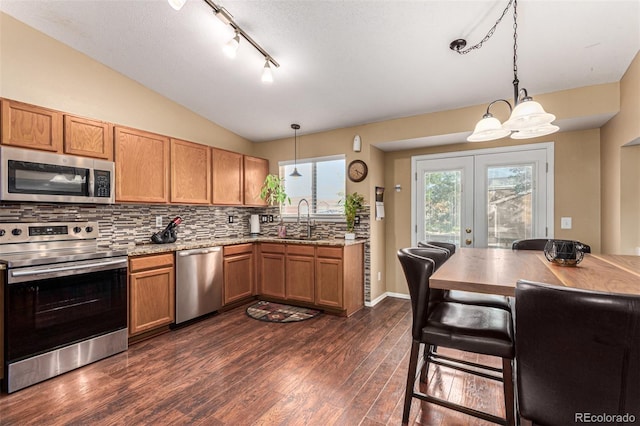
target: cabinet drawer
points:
(152, 261)
(272, 248)
(303, 250)
(333, 252)
(237, 249)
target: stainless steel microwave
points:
(27, 175)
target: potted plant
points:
(273, 193)
(352, 203)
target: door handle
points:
(468, 230)
(468, 242)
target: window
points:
(322, 184)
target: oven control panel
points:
(58, 231)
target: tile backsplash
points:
(123, 225)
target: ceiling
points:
(343, 63)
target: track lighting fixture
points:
(528, 119)
(231, 47)
(177, 4)
(267, 75)
(295, 172)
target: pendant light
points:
(177, 4)
(527, 118)
(295, 172)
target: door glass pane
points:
(442, 208)
(509, 208)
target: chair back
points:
(418, 267)
(449, 246)
(577, 352)
(439, 254)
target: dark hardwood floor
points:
(230, 369)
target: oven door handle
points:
(86, 268)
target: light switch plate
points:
(565, 223)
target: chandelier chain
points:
(515, 40)
(489, 34)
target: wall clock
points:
(357, 170)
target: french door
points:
(484, 198)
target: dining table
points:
(496, 271)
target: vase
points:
(350, 236)
(282, 230)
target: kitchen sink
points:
(305, 238)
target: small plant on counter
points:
(352, 203)
(273, 193)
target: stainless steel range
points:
(65, 300)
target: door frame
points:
(548, 146)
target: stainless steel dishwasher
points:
(198, 282)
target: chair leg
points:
(424, 371)
(411, 378)
(509, 400)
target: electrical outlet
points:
(357, 220)
(264, 218)
(158, 220)
(270, 218)
(230, 219)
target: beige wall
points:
(619, 165)
(36, 69)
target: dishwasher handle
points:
(194, 252)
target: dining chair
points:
(577, 353)
(465, 297)
(469, 328)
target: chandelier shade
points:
(528, 119)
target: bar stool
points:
(478, 329)
(577, 352)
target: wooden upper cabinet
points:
(142, 166)
(255, 171)
(30, 126)
(228, 177)
(190, 173)
(88, 138)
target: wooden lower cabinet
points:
(271, 275)
(239, 272)
(340, 278)
(327, 277)
(152, 289)
(300, 273)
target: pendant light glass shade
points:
(177, 4)
(231, 48)
(534, 132)
(267, 75)
(488, 129)
(295, 172)
(528, 114)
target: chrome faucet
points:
(308, 216)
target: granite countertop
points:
(151, 248)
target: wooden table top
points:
(496, 271)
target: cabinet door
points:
(255, 171)
(151, 299)
(142, 166)
(272, 276)
(238, 277)
(88, 138)
(29, 126)
(228, 177)
(329, 282)
(300, 278)
(190, 173)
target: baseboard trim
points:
(384, 296)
